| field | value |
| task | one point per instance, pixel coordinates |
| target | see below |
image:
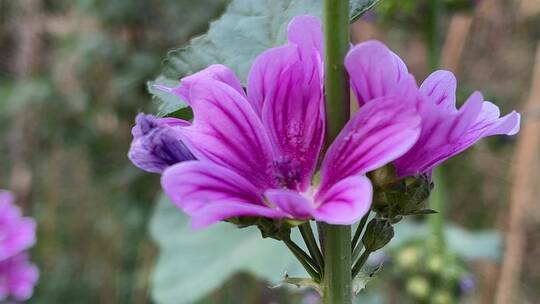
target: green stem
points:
(336, 85)
(308, 264)
(360, 263)
(433, 33)
(437, 203)
(355, 246)
(336, 284)
(433, 40)
(311, 243)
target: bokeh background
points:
(73, 75)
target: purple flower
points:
(257, 151)
(156, 144)
(17, 275)
(466, 284)
(17, 233)
(376, 71)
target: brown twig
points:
(525, 176)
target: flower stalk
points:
(336, 283)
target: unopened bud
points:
(402, 197)
(383, 176)
(418, 287)
(378, 233)
(276, 229)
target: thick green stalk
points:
(336, 284)
(437, 202)
(336, 84)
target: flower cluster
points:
(17, 274)
(257, 152)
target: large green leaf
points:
(193, 263)
(246, 29)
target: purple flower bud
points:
(311, 298)
(17, 274)
(466, 284)
(156, 144)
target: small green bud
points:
(276, 229)
(435, 263)
(378, 233)
(418, 287)
(408, 258)
(442, 297)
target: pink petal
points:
(447, 132)
(217, 212)
(306, 32)
(285, 88)
(227, 131)
(440, 87)
(345, 202)
(216, 71)
(266, 68)
(294, 118)
(380, 132)
(211, 193)
(375, 71)
(291, 202)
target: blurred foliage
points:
(426, 275)
(414, 11)
(193, 263)
(64, 134)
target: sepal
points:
(403, 197)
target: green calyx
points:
(397, 198)
(378, 233)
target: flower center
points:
(287, 173)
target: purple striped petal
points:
(306, 32)
(17, 233)
(266, 69)
(227, 131)
(375, 71)
(285, 88)
(441, 87)
(18, 276)
(345, 202)
(156, 143)
(447, 131)
(291, 202)
(380, 132)
(210, 193)
(216, 71)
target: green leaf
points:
(193, 263)
(167, 103)
(246, 29)
(360, 7)
(470, 245)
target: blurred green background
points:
(73, 75)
